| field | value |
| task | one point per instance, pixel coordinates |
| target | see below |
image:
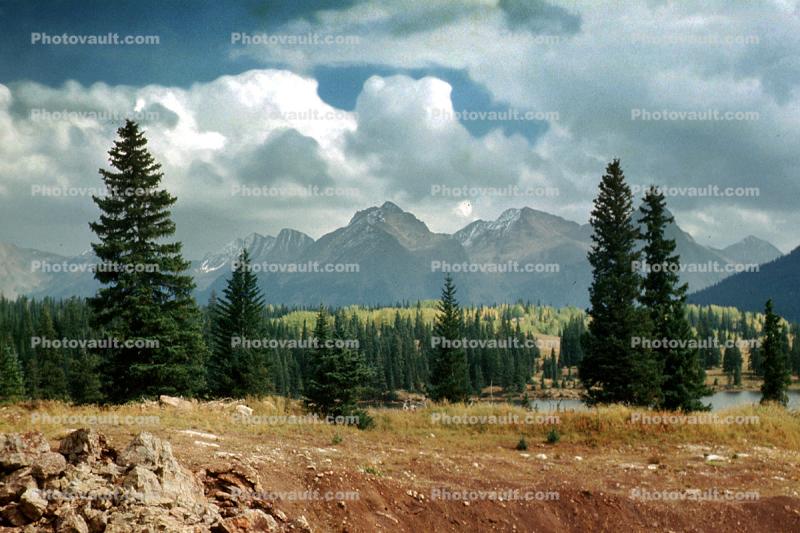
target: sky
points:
(406, 101)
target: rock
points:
(252, 520)
(20, 450)
(13, 515)
(541, 456)
(32, 504)
(303, 525)
(151, 453)
(69, 521)
(244, 410)
(144, 486)
(200, 434)
(84, 446)
(714, 457)
(14, 484)
(48, 465)
(177, 403)
(95, 519)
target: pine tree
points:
(53, 377)
(776, 369)
(12, 385)
(338, 374)
(85, 385)
(795, 353)
(664, 298)
(613, 370)
(146, 295)
(235, 369)
(449, 372)
(732, 364)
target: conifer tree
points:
(776, 369)
(732, 364)
(664, 299)
(85, 385)
(12, 386)
(338, 375)
(449, 372)
(145, 299)
(52, 377)
(235, 368)
(613, 370)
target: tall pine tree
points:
(664, 298)
(236, 369)
(777, 376)
(146, 295)
(338, 374)
(12, 386)
(613, 369)
(449, 372)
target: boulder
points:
(48, 465)
(84, 446)
(32, 504)
(177, 403)
(14, 484)
(243, 410)
(69, 521)
(20, 450)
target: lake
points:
(719, 400)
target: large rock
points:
(48, 465)
(20, 450)
(32, 504)
(69, 521)
(151, 453)
(177, 403)
(84, 446)
(14, 484)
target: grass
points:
(606, 425)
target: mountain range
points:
(393, 252)
(749, 291)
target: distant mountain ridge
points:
(394, 252)
(749, 291)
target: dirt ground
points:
(412, 480)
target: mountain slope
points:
(779, 280)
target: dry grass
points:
(604, 426)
